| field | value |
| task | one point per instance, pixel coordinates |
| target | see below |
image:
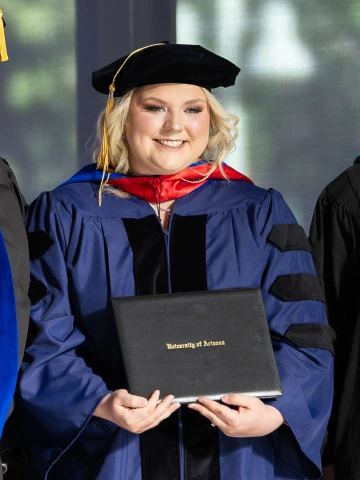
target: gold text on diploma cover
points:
(205, 343)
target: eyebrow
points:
(194, 100)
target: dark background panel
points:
(110, 30)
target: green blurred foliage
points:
(38, 88)
(297, 93)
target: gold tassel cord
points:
(3, 52)
(103, 161)
(102, 184)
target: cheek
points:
(201, 128)
(144, 125)
(200, 124)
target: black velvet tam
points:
(166, 63)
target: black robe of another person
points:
(335, 238)
(12, 212)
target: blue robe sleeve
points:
(59, 392)
(297, 321)
(8, 335)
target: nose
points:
(173, 122)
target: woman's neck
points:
(163, 211)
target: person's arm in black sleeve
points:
(334, 236)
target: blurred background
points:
(297, 95)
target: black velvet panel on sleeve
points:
(296, 287)
(39, 243)
(312, 335)
(287, 237)
(37, 291)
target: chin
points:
(172, 169)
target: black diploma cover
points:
(197, 344)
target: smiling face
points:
(167, 128)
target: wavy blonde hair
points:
(222, 135)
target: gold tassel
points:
(103, 160)
(3, 53)
(102, 184)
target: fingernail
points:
(201, 400)
(172, 397)
(142, 402)
(225, 398)
(190, 405)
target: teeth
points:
(171, 143)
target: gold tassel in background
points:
(3, 53)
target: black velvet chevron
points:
(296, 287)
(39, 243)
(287, 237)
(37, 291)
(312, 335)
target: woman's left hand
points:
(252, 418)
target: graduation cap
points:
(159, 63)
(3, 53)
(165, 63)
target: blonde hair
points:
(222, 135)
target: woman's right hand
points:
(136, 414)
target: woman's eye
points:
(194, 110)
(154, 108)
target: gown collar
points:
(160, 188)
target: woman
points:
(220, 232)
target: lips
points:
(171, 143)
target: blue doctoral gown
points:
(239, 236)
